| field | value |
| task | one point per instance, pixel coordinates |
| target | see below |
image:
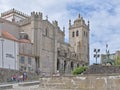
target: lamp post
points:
(96, 55)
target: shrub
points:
(79, 70)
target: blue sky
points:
(104, 17)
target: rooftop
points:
(7, 35)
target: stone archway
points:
(72, 65)
(78, 65)
(65, 63)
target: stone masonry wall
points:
(7, 74)
(100, 69)
(89, 82)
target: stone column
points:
(61, 66)
(68, 69)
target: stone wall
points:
(89, 82)
(99, 69)
(6, 74)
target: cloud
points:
(104, 17)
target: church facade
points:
(42, 42)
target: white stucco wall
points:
(10, 53)
(0, 53)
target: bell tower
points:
(79, 38)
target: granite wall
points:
(6, 74)
(100, 69)
(88, 82)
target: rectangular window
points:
(72, 34)
(29, 60)
(84, 33)
(77, 33)
(22, 60)
(29, 68)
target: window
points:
(84, 33)
(26, 36)
(64, 65)
(65, 54)
(72, 34)
(21, 68)
(29, 60)
(72, 66)
(77, 33)
(77, 65)
(22, 60)
(58, 64)
(46, 32)
(58, 52)
(29, 68)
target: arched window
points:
(58, 64)
(77, 33)
(77, 65)
(72, 34)
(72, 66)
(64, 65)
(58, 52)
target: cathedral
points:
(39, 44)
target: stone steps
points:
(6, 86)
(17, 86)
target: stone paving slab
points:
(20, 86)
(6, 86)
(25, 88)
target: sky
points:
(104, 17)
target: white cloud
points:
(104, 16)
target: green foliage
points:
(79, 70)
(117, 61)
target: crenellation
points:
(55, 23)
(14, 11)
(36, 14)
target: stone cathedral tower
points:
(41, 43)
(79, 38)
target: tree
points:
(117, 61)
(79, 70)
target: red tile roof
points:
(7, 35)
(24, 41)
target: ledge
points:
(29, 83)
(7, 86)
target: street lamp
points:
(96, 55)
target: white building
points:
(8, 51)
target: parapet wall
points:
(6, 74)
(89, 82)
(100, 69)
